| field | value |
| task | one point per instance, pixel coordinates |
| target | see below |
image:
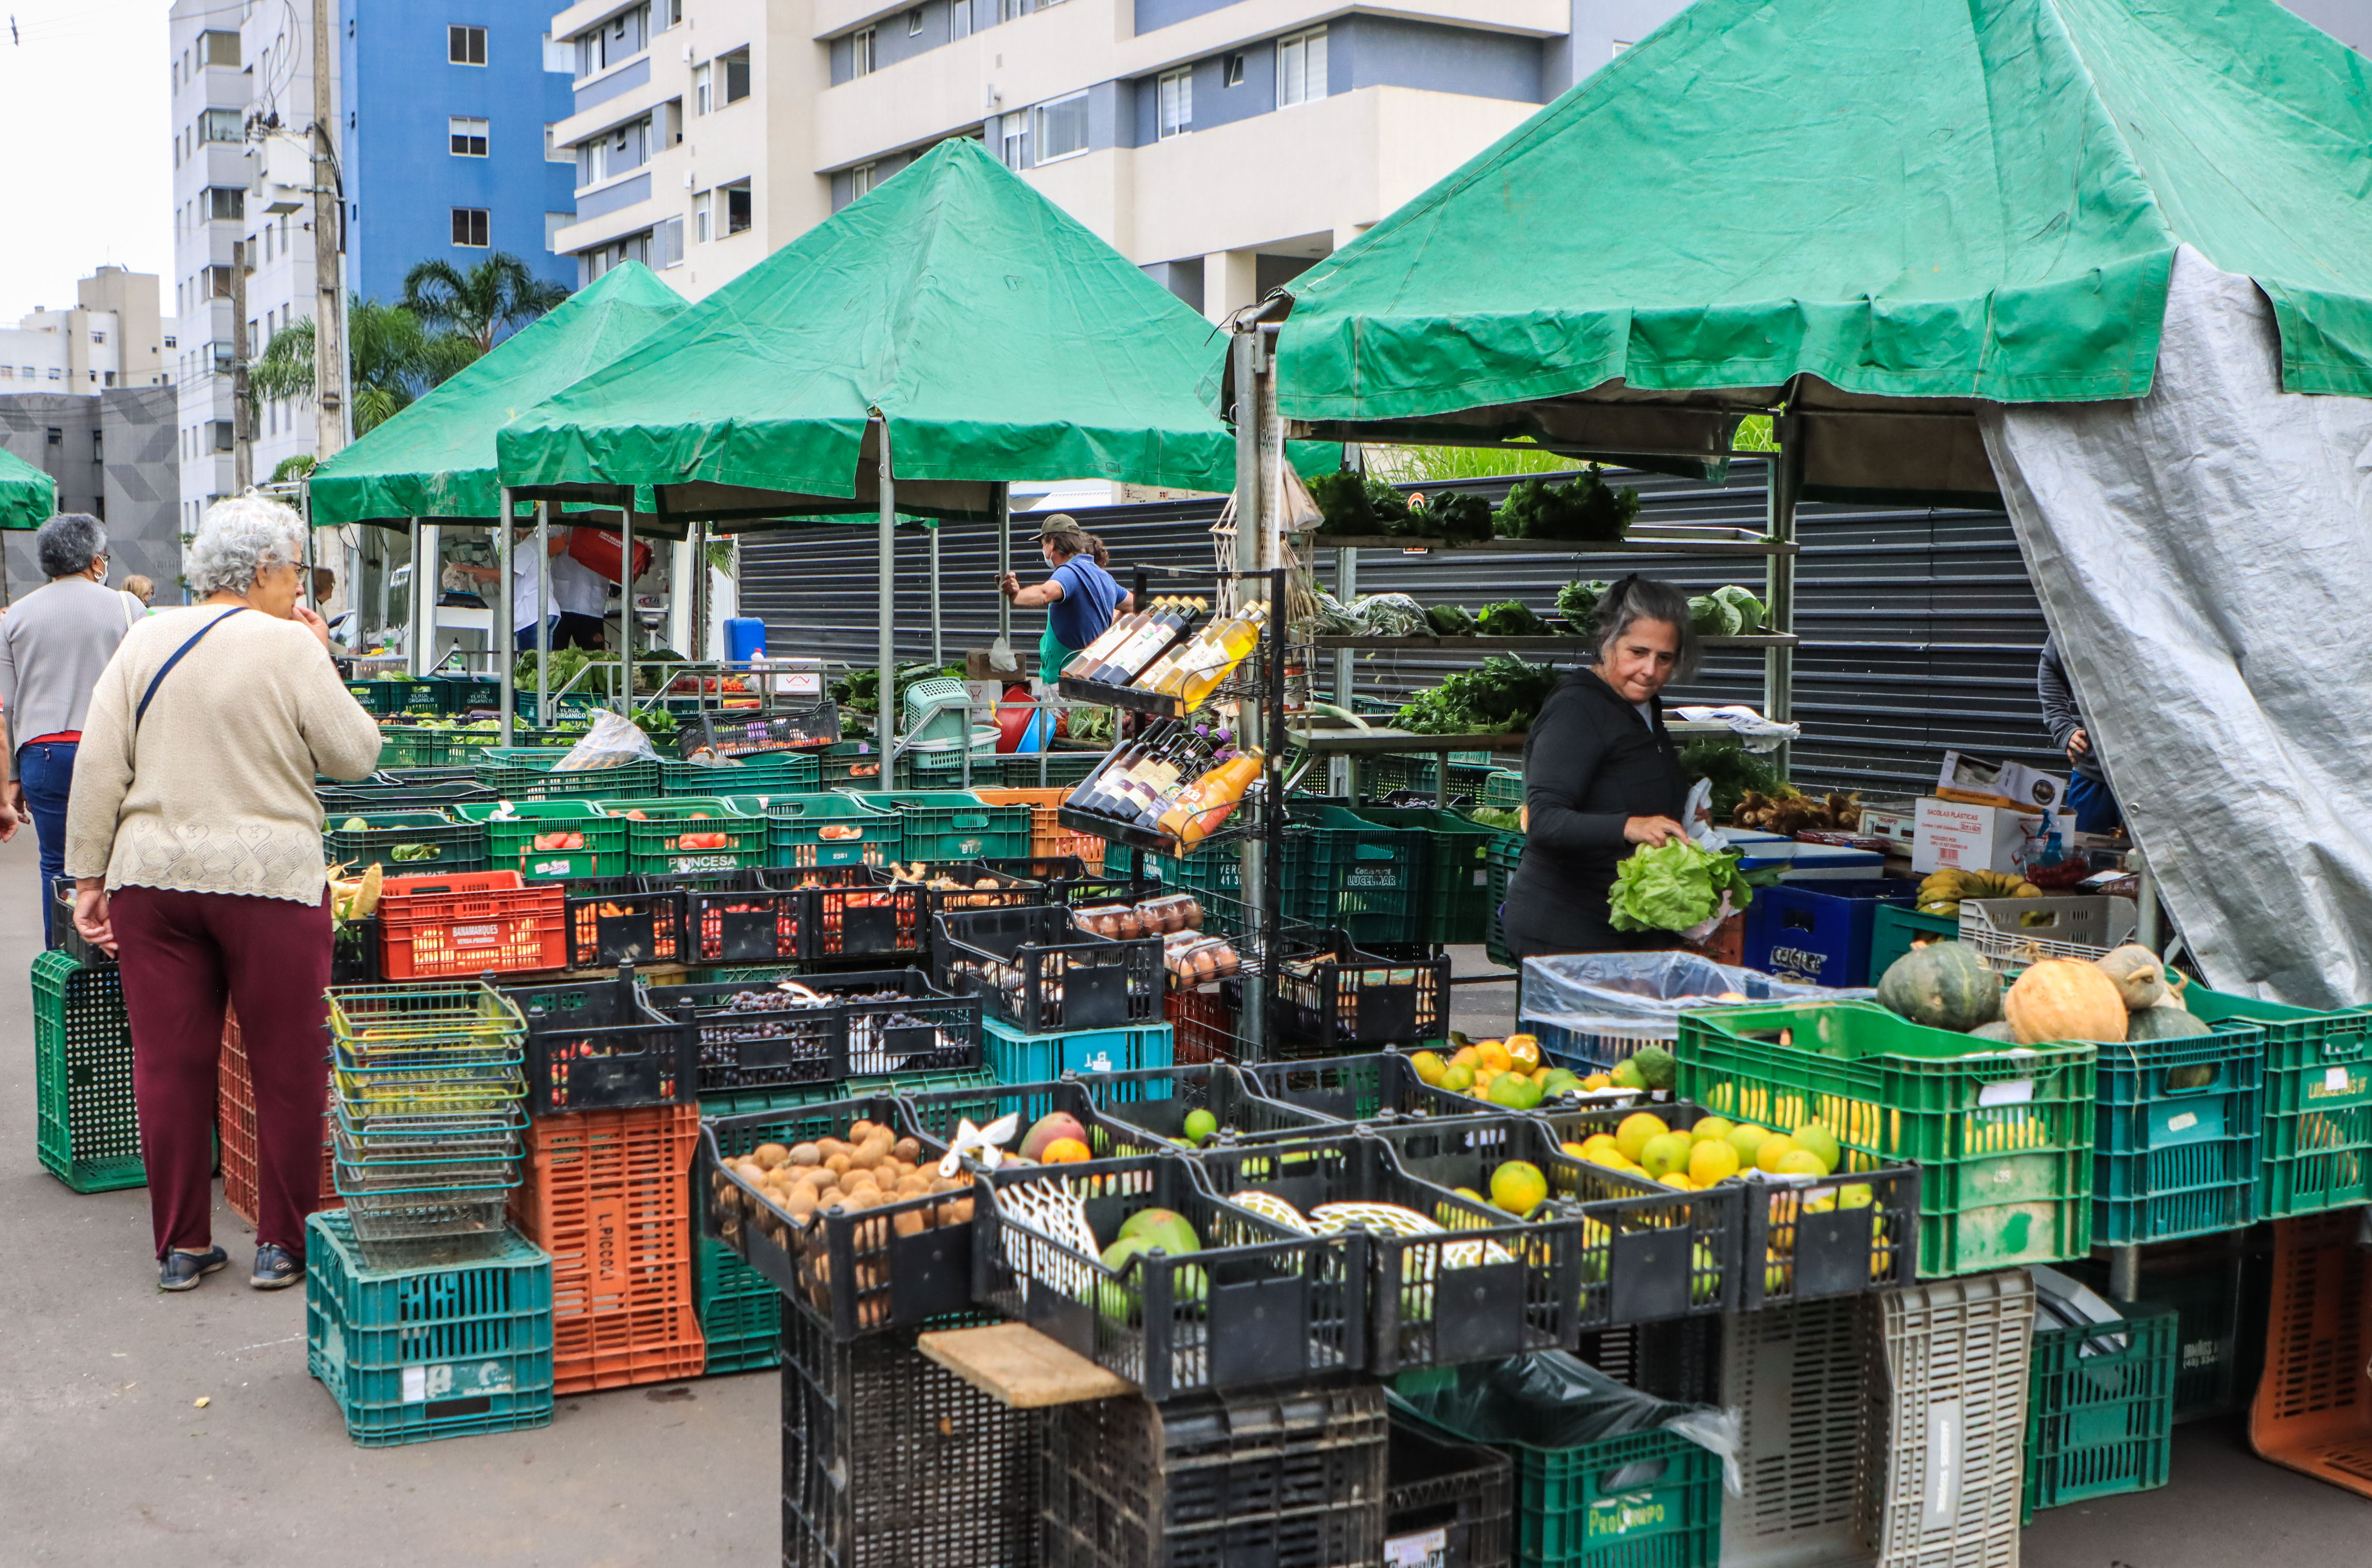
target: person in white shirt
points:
(580, 598)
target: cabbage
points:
(1674, 886)
(1712, 617)
(1750, 611)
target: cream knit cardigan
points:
(214, 793)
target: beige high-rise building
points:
(112, 338)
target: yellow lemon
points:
(1711, 1161)
(1799, 1162)
(1597, 1081)
(1746, 1137)
(1856, 1195)
(1458, 1077)
(1678, 1181)
(1466, 1056)
(1771, 1150)
(1636, 1128)
(1576, 1150)
(1812, 1135)
(1713, 1128)
(1665, 1154)
(1518, 1186)
(1429, 1067)
(1494, 1055)
(1597, 1144)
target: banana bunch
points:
(1940, 892)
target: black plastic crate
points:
(853, 915)
(750, 916)
(1041, 975)
(1355, 1088)
(624, 919)
(355, 952)
(598, 1045)
(1354, 998)
(869, 1024)
(406, 843)
(989, 888)
(890, 1460)
(858, 1270)
(739, 733)
(1648, 1251)
(1482, 1286)
(382, 793)
(64, 936)
(1158, 1101)
(1294, 1477)
(1070, 880)
(1449, 1505)
(1258, 1303)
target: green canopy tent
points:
(27, 496)
(435, 461)
(947, 333)
(1876, 214)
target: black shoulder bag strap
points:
(167, 667)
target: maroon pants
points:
(183, 954)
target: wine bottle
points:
(1111, 637)
(1138, 651)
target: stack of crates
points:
(2100, 1409)
(235, 1128)
(87, 1128)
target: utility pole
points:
(329, 288)
(242, 411)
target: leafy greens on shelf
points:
(1500, 696)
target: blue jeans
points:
(46, 771)
(2096, 809)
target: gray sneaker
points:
(275, 1268)
(182, 1271)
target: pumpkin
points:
(1942, 985)
(2140, 978)
(1997, 1029)
(2064, 999)
(2166, 1023)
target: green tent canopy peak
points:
(435, 459)
(27, 496)
(1849, 203)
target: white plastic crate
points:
(2010, 933)
(1800, 1379)
(1812, 863)
(1944, 1466)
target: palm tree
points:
(394, 359)
(491, 300)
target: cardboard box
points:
(979, 666)
(1969, 838)
(2012, 780)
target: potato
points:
(866, 1158)
(769, 1155)
(859, 1130)
(836, 1163)
(805, 1154)
(800, 1203)
(956, 1213)
(910, 1222)
(909, 1150)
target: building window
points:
(218, 282)
(1013, 142)
(1013, 11)
(98, 337)
(218, 49)
(1301, 68)
(1176, 95)
(619, 151)
(860, 181)
(914, 22)
(221, 125)
(959, 20)
(465, 46)
(1620, 45)
(467, 136)
(1061, 128)
(669, 13)
(737, 75)
(700, 89)
(226, 202)
(222, 434)
(860, 53)
(169, 342)
(1232, 74)
(667, 243)
(222, 358)
(699, 209)
(736, 207)
(469, 227)
(57, 436)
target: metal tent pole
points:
(1345, 769)
(498, 621)
(626, 607)
(886, 724)
(1003, 558)
(937, 659)
(1784, 481)
(700, 598)
(543, 613)
(414, 642)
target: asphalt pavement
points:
(139, 1427)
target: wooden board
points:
(1021, 1366)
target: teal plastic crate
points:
(528, 773)
(1894, 931)
(440, 1350)
(740, 1310)
(1016, 1058)
(1503, 789)
(1368, 881)
(452, 845)
(2175, 1145)
(512, 840)
(951, 824)
(1458, 904)
(87, 1127)
(2101, 1425)
(2316, 1152)
(1500, 858)
(767, 773)
(829, 829)
(411, 746)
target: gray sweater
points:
(53, 643)
(2059, 712)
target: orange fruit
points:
(1524, 1051)
(1466, 1056)
(1066, 1151)
(1495, 1056)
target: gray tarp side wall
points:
(2204, 554)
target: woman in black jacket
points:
(1601, 775)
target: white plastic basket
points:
(2010, 933)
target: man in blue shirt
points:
(1080, 598)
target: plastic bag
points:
(612, 742)
(1639, 994)
(1551, 1400)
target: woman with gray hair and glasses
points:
(194, 839)
(1601, 775)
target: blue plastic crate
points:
(1017, 1058)
(442, 1349)
(1818, 933)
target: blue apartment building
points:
(447, 105)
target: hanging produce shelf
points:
(1647, 541)
(1550, 644)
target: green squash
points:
(1942, 985)
(2165, 1023)
(1999, 1030)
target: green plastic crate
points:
(653, 840)
(2004, 1142)
(1458, 904)
(952, 824)
(441, 694)
(411, 746)
(526, 773)
(2316, 1148)
(510, 840)
(1366, 881)
(459, 845)
(442, 1349)
(1021, 771)
(380, 696)
(2176, 1140)
(1503, 789)
(740, 1310)
(1643, 1500)
(1895, 930)
(829, 829)
(2203, 1289)
(1500, 858)
(769, 773)
(87, 1132)
(849, 764)
(2102, 1424)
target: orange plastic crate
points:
(1047, 834)
(471, 924)
(1205, 1025)
(2313, 1411)
(608, 1193)
(234, 1125)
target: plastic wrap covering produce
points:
(1549, 1399)
(2220, 669)
(612, 742)
(1616, 993)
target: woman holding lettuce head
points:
(1601, 776)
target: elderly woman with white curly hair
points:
(194, 839)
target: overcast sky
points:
(90, 177)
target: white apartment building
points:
(1223, 144)
(111, 337)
